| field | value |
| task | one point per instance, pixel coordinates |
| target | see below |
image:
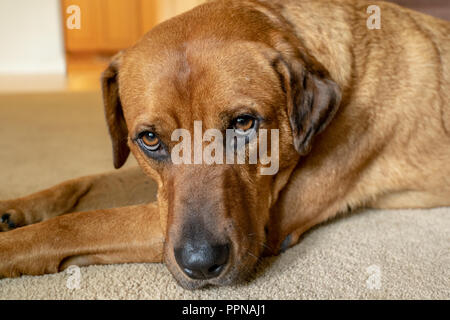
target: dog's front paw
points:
(22, 254)
(7, 256)
(11, 219)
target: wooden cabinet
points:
(120, 23)
(83, 38)
(112, 25)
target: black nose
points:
(201, 260)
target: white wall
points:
(31, 37)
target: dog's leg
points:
(288, 236)
(122, 235)
(412, 200)
(115, 189)
(292, 237)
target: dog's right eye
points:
(150, 141)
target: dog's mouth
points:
(215, 235)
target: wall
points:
(31, 37)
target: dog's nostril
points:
(202, 260)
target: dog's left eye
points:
(244, 124)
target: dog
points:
(363, 117)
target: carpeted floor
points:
(48, 138)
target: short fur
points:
(364, 120)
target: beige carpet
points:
(45, 139)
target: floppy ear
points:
(114, 113)
(312, 101)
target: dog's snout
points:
(202, 260)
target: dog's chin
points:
(225, 280)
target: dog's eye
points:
(150, 141)
(244, 124)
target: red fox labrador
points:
(363, 120)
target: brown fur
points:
(364, 120)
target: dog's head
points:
(233, 67)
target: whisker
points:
(253, 237)
(263, 244)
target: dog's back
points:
(391, 138)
